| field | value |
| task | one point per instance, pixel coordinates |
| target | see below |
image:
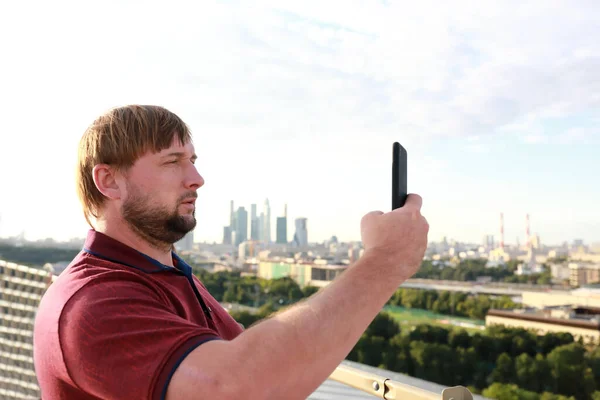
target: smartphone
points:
(399, 176)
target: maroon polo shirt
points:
(117, 323)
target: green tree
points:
(384, 326)
(592, 359)
(398, 356)
(459, 338)
(532, 373)
(504, 372)
(245, 318)
(466, 362)
(309, 290)
(570, 374)
(433, 362)
(35, 256)
(548, 342)
(501, 391)
(429, 333)
(523, 342)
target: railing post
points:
(389, 389)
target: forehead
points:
(176, 146)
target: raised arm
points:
(290, 354)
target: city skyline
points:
(520, 239)
(300, 102)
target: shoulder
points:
(88, 277)
(116, 334)
(86, 290)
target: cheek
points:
(160, 187)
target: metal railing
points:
(384, 388)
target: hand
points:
(397, 238)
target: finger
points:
(373, 214)
(413, 201)
(370, 215)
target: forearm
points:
(297, 349)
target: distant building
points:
(301, 235)
(581, 322)
(22, 290)
(254, 223)
(488, 241)
(56, 268)
(528, 269)
(584, 273)
(584, 256)
(241, 228)
(560, 272)
(261, 227)
(231, 217)
(304, 273)
(282, 230)
(227, 239)
(266, 234)
(186, 243)
(578, 297)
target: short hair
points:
(118, 138)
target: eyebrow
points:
(194, 157)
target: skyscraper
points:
(254, 231)
(282, 227)
(301, 235)
(261, 227)
(186, 243)
(281, 230)
(241, 228)
(267, 222)
(227, 235)
(232, 223)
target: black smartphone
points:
(399, 176)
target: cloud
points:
(579, 135)
(307, 69)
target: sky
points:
(497, 103)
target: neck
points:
(121, 231)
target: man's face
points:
(160, 195)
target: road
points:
(505, 289)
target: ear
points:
(106, 181)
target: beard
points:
(160, 226)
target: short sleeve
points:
(121, 341)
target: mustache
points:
(188, 196)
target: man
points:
(128, 320)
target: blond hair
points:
(118, 138)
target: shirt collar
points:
(107, 248)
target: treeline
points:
(450, 303)
(253, 291)
(500, 363)
(471, 269)
(35, 256)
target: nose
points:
(193, 179)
